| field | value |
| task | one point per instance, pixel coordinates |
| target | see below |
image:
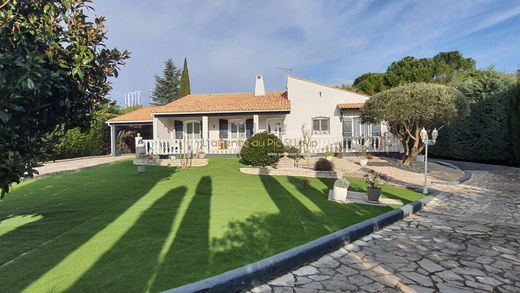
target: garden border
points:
(255, 274)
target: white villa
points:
(220, 123)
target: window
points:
(320, 125)
(193, 130)
(238, 129)
(275, 126)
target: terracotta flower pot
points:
(373, 194)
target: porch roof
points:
(225, 103)
(350, 106)
(141, 115)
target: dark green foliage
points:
(408, 108)
(410, 69)
(293, 152)
(371, 83)
(515, 120)
(262, 149)
(167, 87)
(185, 88)
(95, 141)
(486, 134)
(323, 165)
(443, 68)
(54, 71)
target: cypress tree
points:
(185, 80)
(166, 87)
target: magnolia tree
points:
(408, 108)
(54, 71)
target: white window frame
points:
(272, 122)
(321, 130)
(237, 134)
(193, 135)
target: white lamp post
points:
(427, 142)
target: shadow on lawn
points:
(134, 255)
(71, 201)
(265, 234)
(188, 258)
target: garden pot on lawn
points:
(373, 194)
(338, 194)
(363, 162)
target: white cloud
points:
(228, 42)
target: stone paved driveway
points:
(466, 240)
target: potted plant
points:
(339, 193)
(363, 157)
(374, 182)
(328, 156)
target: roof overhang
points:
(281, 111)
(130, 122)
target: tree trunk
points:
(411, 152)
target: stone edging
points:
(257, 273)
(467, 175)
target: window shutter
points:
(249, 128)
(347, 127)
(178, 129)
(223, 128)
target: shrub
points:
(342, 183)
(293, 152)
(262, 149)
(323, 165)
(328, 154)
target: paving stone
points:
(285, 280)
(262, 289)
(283, 290)
(489, 281)
(307, 270)
(465, 240)
(420, 279)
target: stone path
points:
(466, 240)
(51, 168)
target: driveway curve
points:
(466, 240)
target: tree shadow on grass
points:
(264, 234)
(134, 255)
(340, 215)
(65, 203)
(188, 258)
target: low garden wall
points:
(301, 172)
(170, 162)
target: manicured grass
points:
(110, 229)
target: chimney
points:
(259, 86)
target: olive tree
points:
(54, 70)
(408, 108)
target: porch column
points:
(113, 137)
(256, 124)
(154, 128)
(205, 133)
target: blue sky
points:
(228, 42)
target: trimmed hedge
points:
(515, 121)
(485, 135)
(262, 149)
(323, 165)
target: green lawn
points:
(110, 229)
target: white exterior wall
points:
(165, 125)
(307, 103)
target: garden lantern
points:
(427, 142)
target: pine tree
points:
(185, 80)
(167, 87)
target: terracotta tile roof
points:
(350, 106)
(231, 102)
(140, 115)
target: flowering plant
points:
(374, 179)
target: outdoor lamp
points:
(424, 135)
(435, 133)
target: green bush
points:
(485, 135)
(92, 142)
(262, 149)
(515, 121)
(323, 165)
(293, 152)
